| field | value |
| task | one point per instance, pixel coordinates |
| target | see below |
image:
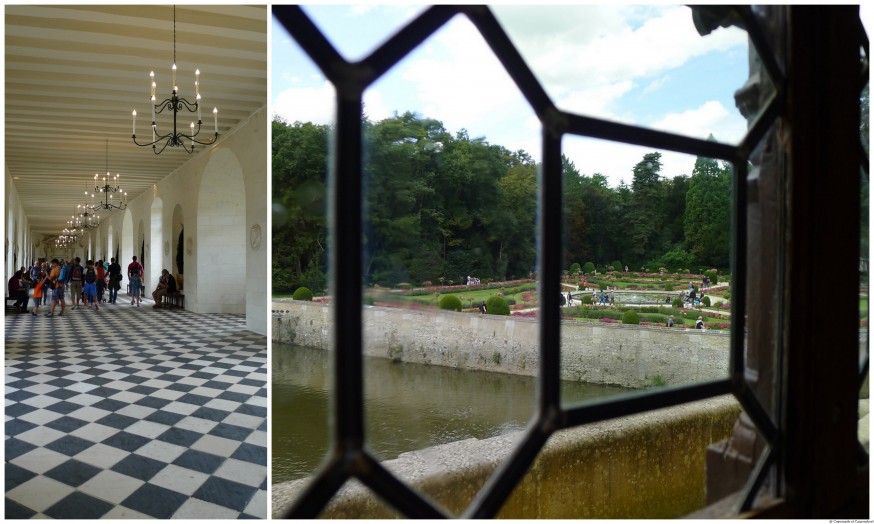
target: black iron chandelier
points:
(107, 189)
(176, 104)
(85, 217)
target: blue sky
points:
(641, 65)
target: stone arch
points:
(156, 236)
(221, 236)
(175, 250)
(141, 250)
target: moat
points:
(407, 406)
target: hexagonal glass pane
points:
(302, 101)
(642, 230)
(640, 65)
(449, 250)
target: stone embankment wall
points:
(630, 356)
(650, 465)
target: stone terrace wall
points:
(630, 356)
(650, 465)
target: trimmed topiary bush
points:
(302, 293)
(496, 305)
(587, 299)
(706, 301)
(677, 303)
(669, 287)
(450, 303)
(574, 268)
(630, 317)
(617, 266)
(589, 268)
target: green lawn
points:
(469, 298)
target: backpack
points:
(77, 272)
(62, 277)
(90, 275)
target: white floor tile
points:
(111, 486)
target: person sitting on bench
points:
(18, 291)
(166, 286)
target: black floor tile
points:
(225, 493)
(155, 501)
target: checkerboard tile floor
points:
(135, 412)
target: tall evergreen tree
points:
(708, 213)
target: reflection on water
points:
(407, 406)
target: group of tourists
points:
(472, 281)
(699, 324)
(603, 298)
(86, 284)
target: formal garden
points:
(644, 298)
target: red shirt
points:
(135, 268)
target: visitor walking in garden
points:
(699, 324)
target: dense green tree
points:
(708, 213)
(439, 207)
(299, 152)
(644, 218)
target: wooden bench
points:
(176, 299)
(10, 303)
(13, 300)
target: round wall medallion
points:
(255, 237)
(166, 247)
(189, 246)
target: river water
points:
(407, 406)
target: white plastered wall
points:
(18, 248)
(241, 156)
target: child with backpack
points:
(89, 288)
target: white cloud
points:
(306, 104)
(580, 48)
(655, 85)
(589, 58)
(374, 107)
(597, 101)
(458, 80)
(710, 118)
(616, 161)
